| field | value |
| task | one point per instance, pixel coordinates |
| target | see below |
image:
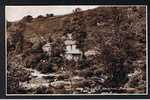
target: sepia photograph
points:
(76, 50)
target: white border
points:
(81, 94)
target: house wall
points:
(72, 49)
(68, 47)
(72, 52)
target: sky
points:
(15, 13)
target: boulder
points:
(59, 84)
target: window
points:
(74, 47)
(68, 48)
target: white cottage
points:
(71, 50)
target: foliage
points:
(58, 48)
(14, 76)
(49, 15)
(27, 18)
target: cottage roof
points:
(47, 45)
(74, 52)
(91, 52)
(70, 42)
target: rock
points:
(78, 78)
(79, 89)
(63, 77)
(60, 84)
(80, 83)
(99, 79)
(43, 90)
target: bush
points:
(49, 15)
(14, 76)
(27, 18)
(43, 90)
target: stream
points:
(38, 80)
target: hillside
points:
(54, 26)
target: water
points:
(37, 79)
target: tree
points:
(113, 50)
(14, 76)
(56, 59)
(27, 18)
(115, 54)
(77, 10)
(20, 37)
(40, 17)
(8, 24)
(49, 15)
(78, 29)
(58, 48)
